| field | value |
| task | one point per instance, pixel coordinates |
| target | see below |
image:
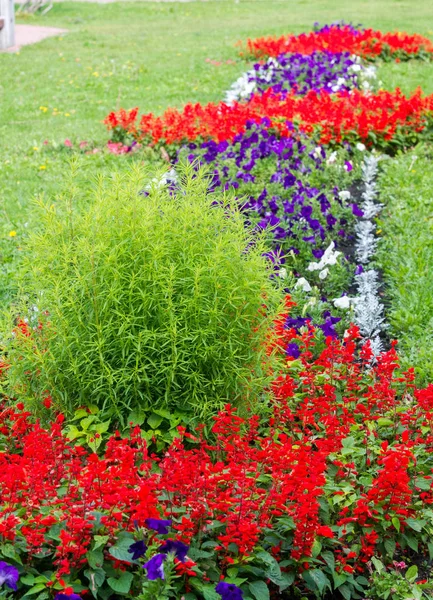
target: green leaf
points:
(101, 427)
(348, 442)
(35, 589)
(28, 579)
(259, 590)
(415, 524)
(96, 579)
(377, 564)
(100, 540)
(396, 523)
(390, 547)
(136, 417)
(316, 579)
(285, 581)
(430, 550)
(317, 547)
(339, 579)
(345, 592)
(95, 558)
(233, 572)
(329, 558)
(85, 423)
(412, 573)
(73, 432)
(423, 484)
(412, 542)
(384, 422)
(416, 592)
(209, 592)
(9, 551)
(154, 420)
(121, 585)
(93, 442)
(121, 553)
(272, 571)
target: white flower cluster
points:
(329, 258)
(369, 311)
(366, 75)
(169, 178)
(242, 88)
(246, 84)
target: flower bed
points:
(329, 489)
(367, 43)
(338, 473)
(385, 120)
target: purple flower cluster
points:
(300, 73)
(9, 575)
(270, 174)
(327, 327)
(355, 29)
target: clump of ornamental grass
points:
(152, 297)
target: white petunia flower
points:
(344, 302)
(324, 274)
(360, 146)
(329, 258)
(344, 195)
(332, 158)
(303, 284)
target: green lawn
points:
(406, 256)
(150, 55)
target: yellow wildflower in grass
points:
(43, 108)
(42, 167)
(12, 233)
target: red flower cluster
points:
(381, 117)
(341, 436)
(367, 43)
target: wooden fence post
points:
(7, 24)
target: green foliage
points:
(392, 584)
(146, 300)
(406, 255)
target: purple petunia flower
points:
(293, 351)
(179, 548)
(356, 210)
(137, 549)
(8, 575)
(295, 323)
(61, 596)
(159, 525)
(229, 591)
(328, 326)
(155, 567)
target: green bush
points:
(144, 301)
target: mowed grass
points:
(151, 55)
(406, 256)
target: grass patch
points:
(406, 256)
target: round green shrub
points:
(145, 300)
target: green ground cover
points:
(406, 256)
